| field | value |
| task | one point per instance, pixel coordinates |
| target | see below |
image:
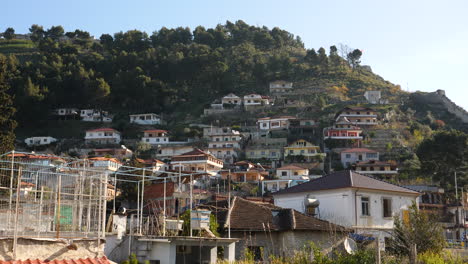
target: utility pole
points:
(229, 203)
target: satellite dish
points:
(350, 245)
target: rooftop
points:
(253, 216)
(359, 150)
(346, 179)
(105, 129)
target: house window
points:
(157, 140)
(387, 207)
(263, 152)
(365, 206)
(251, 153)
(217, 139)
(228, 152)
(371, 155)
(291, 151)
(226, 139)
(302, 151)
(284, 173)
(147, 140)
(295, 173)
(348, 156)
(214, 145)
(273, 154)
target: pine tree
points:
(7, 111)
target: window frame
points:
(368, 202)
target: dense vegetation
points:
(172, 69)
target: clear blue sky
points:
(419, 44)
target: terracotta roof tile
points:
(358, 150)
(290, 167)
(103, 130)
(102, 260)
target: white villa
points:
(103, 136)
(286, 176)
(280, 86)
(39, 141)
(155, 137)
(145, 119)
(256, 100)
(347, 198)
(272, 123)
(231, 99)
(93, 115)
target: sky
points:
(419, 44)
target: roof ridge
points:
(381, 180)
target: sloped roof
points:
(359, 150)
(105, 159)
(345, 179)
(291, 167)
(155, 131)
(248, 215)
(105, 129)
(156, 190)
(102, 260)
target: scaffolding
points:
(51, 197)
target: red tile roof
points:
(358, 150)
(103, 130)
(291, 167)
(155, 131)
(156, 190)
(102, 260)
(106, 159)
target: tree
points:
(9, 33)
(354, 58)
(443, 154)
(55, 32)
(7, 111)
(37, 32)
(416, 228)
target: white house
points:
(106, 164)
(231, 99)
(347, 198)
(168, 151)
(155, 137)
(145, 119)
(353, 155)
(198, 161)
(373, 97)
(286, 176)
(102, 136)
(93, 115)
(280, 86)
(66, 111)
(39, 141)
(256, 100)
(271, 123)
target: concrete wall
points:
(283, 243)
(50, 249)
(340, 207)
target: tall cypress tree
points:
(7, 111)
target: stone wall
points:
(439, 97)
(50, 249)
